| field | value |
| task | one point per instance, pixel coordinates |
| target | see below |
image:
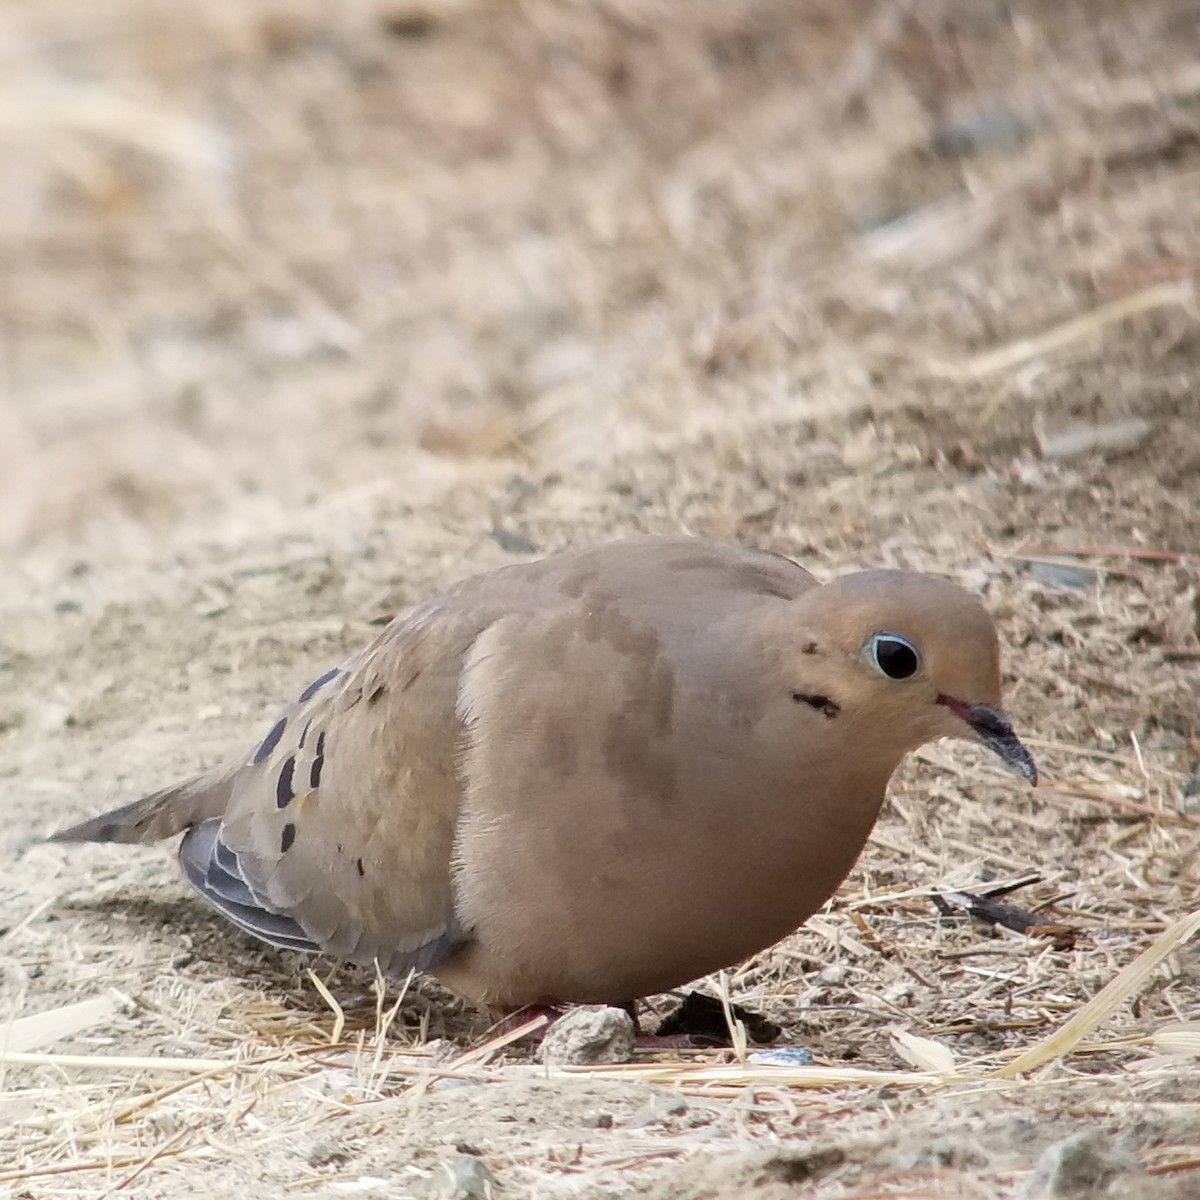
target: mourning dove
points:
(586, 778)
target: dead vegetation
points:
(309, 312)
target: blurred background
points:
(258, 256)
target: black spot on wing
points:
(287, 838)
(270, 741)
(317, 684)
(314, 773)
(284, 793)
(358, 863)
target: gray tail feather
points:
(158, 815)
(214, 871)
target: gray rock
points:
(1062, 575)
(1084, 1166)
(592, 1033)
(463, 1177)
(978, 131)
(1116, 437)
(328, 1154)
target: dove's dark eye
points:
(895, 656)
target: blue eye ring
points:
(893, 655)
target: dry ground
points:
(305, 313)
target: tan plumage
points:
(586, 778)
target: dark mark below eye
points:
(289, 836)
(284, 794)
(270, 741)
(359, 865)
(821, 703)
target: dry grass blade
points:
(1105, 1002)
(33, 1032)
(747, 1074)
(1090, 795)
(839, 937)
(1059, 337)
(146, 1163)
(102, 1164)
(1181, 1038)
(737, 1028)
(383, 1022)
(1172, 1168)
(36, 114)
(1079, 751)
(925, 1054)
(339, 1017)
(1109, 552)
(120, 1063)
(480, 1054)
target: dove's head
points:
(907, 658)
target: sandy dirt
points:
(306, 314)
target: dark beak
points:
(995, 731)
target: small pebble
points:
(978, 131)
(1082, 1166)
(463, 1177)
(512, 542)
(327, 1154)
(1116, 437)
(785, 1056)
(1062, 575)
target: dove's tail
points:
(160, 814)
